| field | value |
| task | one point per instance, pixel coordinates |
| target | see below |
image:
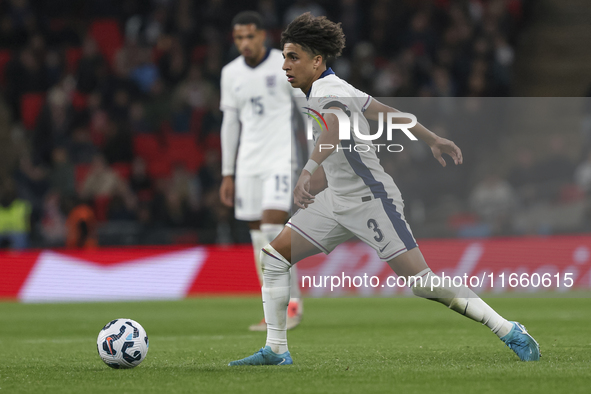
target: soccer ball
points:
(122, 343)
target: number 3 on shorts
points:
(373, 225)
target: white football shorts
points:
(332, 220)
(255, 194)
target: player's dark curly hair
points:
(317, 35)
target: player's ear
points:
(317, 61)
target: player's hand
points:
(446, 146)
(301, 194)
(227, 191)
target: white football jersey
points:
(349, 173)
(263, 98)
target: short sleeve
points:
(366, 99)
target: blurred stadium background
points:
(110, 120)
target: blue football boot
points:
(265, 356)
(523, 344)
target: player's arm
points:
(438, 145)
(230, 135)
(326, 144)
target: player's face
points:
(300, 66)
(249, 40)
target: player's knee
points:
(272, 261)
(429, 286)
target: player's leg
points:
(248, 207)
(272, 223)
(411, 264)
(276, 262)
(276, 203)
(308, 232)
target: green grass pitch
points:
(362, 345)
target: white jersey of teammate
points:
(262, 97)
(257, 104)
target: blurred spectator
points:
(493, 199)
(137, 118)
(174, 64)
(140, 182)
(211, 124)
(32, 181)
(158, 106)
(301, 6)
(557, 165)
(194, 90)
(81, 227)
(89, 66)
(145, 73)
(53, 221)
(209, 176)
(62, 175)
(524, 177)
(583, 174)
(118, 144)
(24, 74)
(15, 215)
(101, 181)
(53, 126)
(80, 148)
(170, 209)
(183, 185)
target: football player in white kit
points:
(361, 199)
(257, 143)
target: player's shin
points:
(276, 288)
(460, 299)
(270, 232)
(259, 240)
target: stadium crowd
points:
(110, 120)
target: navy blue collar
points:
(326, 72)
(262, 60)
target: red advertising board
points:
(558, 264)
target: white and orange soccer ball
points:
(122, 343)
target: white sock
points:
(259, 240)
(275, 297)
(271, 231)
(462, 300)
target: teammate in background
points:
(257, 143)
(361, 199)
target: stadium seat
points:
(197, 121)
(80, 174)
(147, 147)
(73, 56)
(182, 148)
(199, 54)
(31, 105)
(122, 169)
(101, 207)
(160, 168)
(213, 142)
(79, 100)
(108, 37)
(5, 56)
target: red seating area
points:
(31, 105)
(108, 37)
(161, 154)
(5, 57)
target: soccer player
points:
(256, 141)
(361, 199)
